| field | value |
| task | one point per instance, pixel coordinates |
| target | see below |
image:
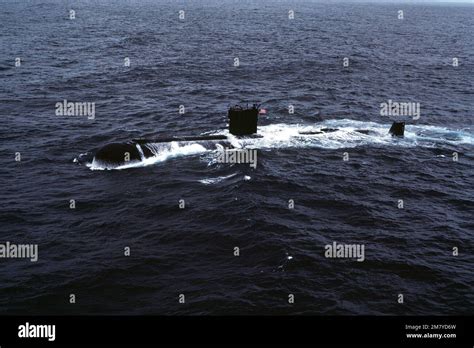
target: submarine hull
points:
(117, 154)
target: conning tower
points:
(243, 121)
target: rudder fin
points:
(397, 129)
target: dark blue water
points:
(189, 251)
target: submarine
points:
(242, 124)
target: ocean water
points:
(190, 251)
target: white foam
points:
(283, 135)
(140, 151)
(288, 135)
(163, 153)
(209, 181)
